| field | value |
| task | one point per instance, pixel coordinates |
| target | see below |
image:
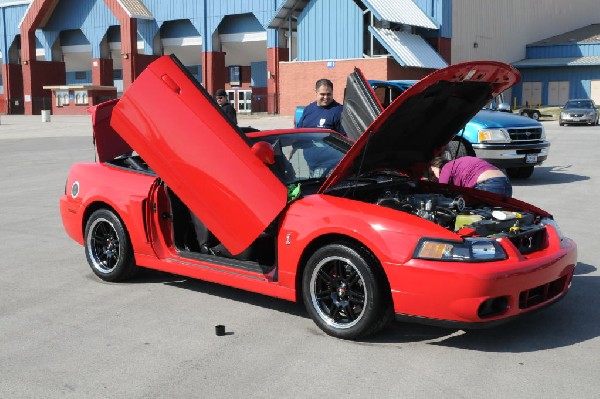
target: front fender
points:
(389, 234)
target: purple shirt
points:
(464, 171)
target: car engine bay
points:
(467, 216)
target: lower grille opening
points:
(493, 307)
(542, 293)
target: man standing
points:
(325, 112)
(221, 97)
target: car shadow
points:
(239, 295)
(549, 175)
(570, 321)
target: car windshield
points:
(303, 157)
(574, 104)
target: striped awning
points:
(408, 50)
(400, 11)
(136, 9)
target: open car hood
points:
(180, 132)
(422, 120)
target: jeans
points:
(498, 185)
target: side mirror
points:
(264, 152)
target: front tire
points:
(456, 149)
(345, 292)
(108, 248)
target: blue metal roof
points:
(400, 11)
(557, 62)
(408, 49)
(289, 8)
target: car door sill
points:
(246, 265)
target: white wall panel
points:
(502, 28)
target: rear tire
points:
(108, 248)
(345, 292)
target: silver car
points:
(581, 111)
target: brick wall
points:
(297, 79)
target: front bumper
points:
(513, 155)
(479, 295)
(578, 118)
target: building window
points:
(80, 75)
(117, 74)
(81, 97)
(235, 78)
(62, 98)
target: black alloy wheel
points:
(345, 292)
(108, 248)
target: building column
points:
(102, 72)
(128, 50)
(214, 73)
(274, 56)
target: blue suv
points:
(509, 141)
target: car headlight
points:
(592, 113)
(493, 136)
(552, 222)
(469, 250)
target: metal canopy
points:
(557, 62)
(400, 11)
(408, 50)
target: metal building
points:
(560, 68)
(70, 54)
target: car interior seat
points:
(210, 245)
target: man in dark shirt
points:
(324, 113)
(221, 97)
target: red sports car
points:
(349, 227)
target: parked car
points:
(178, 188)
(579, 111)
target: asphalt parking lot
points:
(64, 333)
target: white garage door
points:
(532, 94)
(558, 92)
(595, 91)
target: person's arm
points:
(307, 111)
(338, 122)
(231, 113)
(445, 172)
